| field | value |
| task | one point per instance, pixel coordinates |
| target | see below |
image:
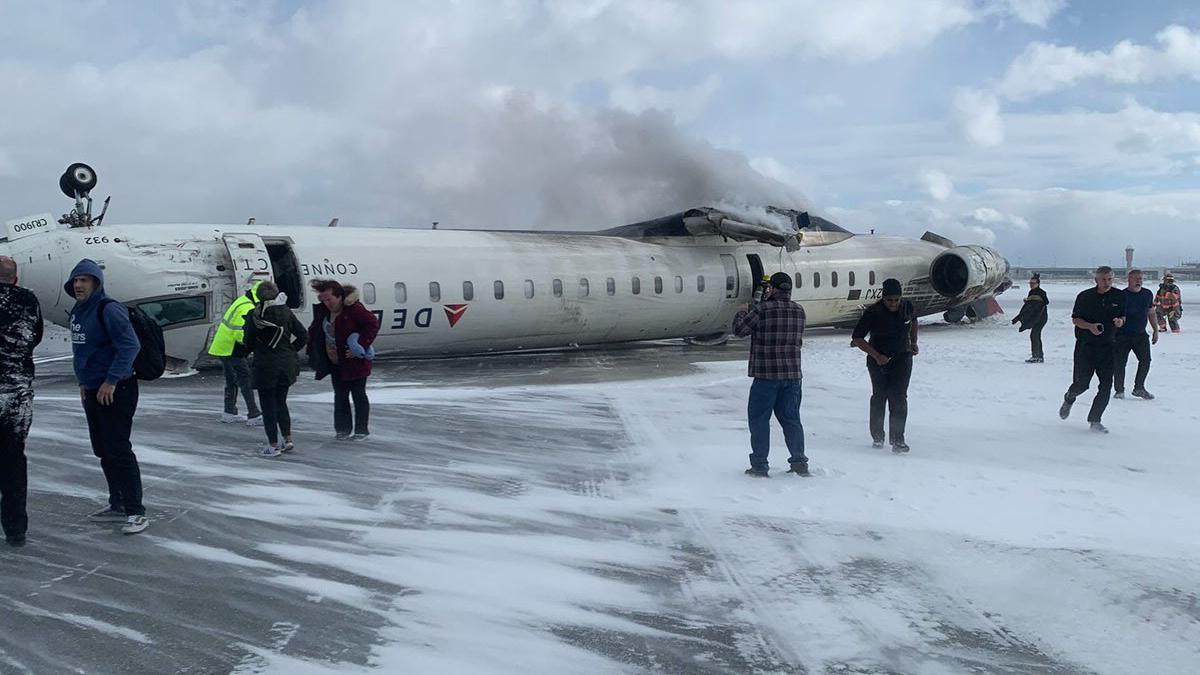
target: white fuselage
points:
(447, 292)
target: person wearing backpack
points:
(275, 366)
(105, 345)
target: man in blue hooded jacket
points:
(105, 345)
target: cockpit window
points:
(172, 311)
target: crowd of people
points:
(257, 342)
(1109, 324)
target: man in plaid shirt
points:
(776, 327)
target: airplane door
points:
(731, 275)
(251, 261)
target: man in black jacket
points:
(1098, 312)
(892, 324)
(1033, 315)
(20, 332)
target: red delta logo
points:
(454, 313)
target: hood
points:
(351, 294)
(89, 267)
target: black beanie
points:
(782, 281)
(891, 288)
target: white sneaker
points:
(255, 421)
(135, 524)
(107, 514)
(288, 446)
(269, 451)
(231, 418)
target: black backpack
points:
(151, 359)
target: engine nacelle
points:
(967, 272)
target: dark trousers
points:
(237, 378)
(14, 478)
(343, 390)
(1140, 346)
(1092, 359)
(1167, 318)
(889, 389)
(276, 418)
(109, 427)
(781, 397)
(1035, 340)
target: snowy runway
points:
(586, 513)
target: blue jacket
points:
(103, 353)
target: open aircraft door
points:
(251, 262)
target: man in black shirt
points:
(1098, 312)
(892, 325)
(1139, 311)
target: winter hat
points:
(1036, 276)
(891, 288)
(782, 281)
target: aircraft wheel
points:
(78, 177)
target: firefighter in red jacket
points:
(1168, 303)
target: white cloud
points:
(1044, 68)
(977, 114)
(1035, 12)
(938, 184)
(686, 103)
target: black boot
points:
(800, 468)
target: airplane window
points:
(435, 291)
(529, 288)
(658, 285)
(499, 289)
(730, 283)
(468, 290)
(816, 279)
(369, 293)
(401, 294)
(583, 288)
(176, 310)
(557, 288)
(871, 277)
(637, 286)
(833, 279)
(700, 283)
(678, 284)
(852, 280)
(610, 285)
(799, 280)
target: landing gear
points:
(77, 182)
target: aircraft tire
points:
(78, 177)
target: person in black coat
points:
(275, 364)
(20, 332)
(1033, 316)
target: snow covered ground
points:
(586, 512)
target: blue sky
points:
(1058, 132)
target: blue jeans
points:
(781, 397)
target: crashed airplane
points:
(455, 292)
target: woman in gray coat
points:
(275, 365)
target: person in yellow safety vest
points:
(230, 350)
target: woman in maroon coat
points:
(339, 341)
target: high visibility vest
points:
(233, 323)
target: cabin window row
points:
(833, 279)
(583, 289)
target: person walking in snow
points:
(892, 324)
(275, 366)
(1098, 312)
(339, 345)
(1169, 302)
(104, 346)
(20, 332)
(230, 348)
(1033, 316)
(1139, 311)
(776, 329)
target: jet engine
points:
(967, 271)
